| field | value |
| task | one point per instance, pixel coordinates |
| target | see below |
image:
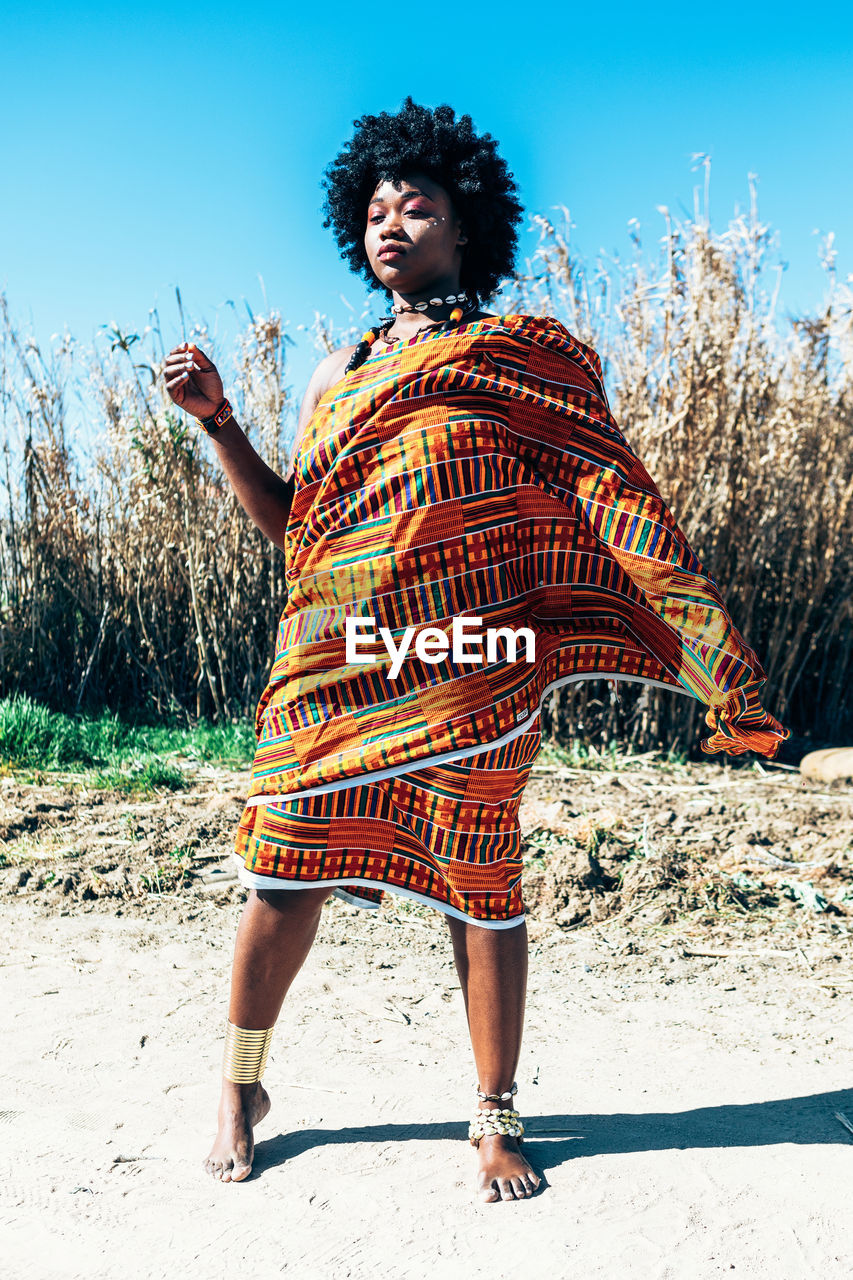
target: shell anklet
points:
(489, 1120)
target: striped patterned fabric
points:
(475, 474)
(446, 835)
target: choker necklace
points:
(462, 296)
(456, 316)
(362, 349)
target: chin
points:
(391, 277)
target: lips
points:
(391, 251)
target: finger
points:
(182, 352)
(202, 363)
(189, 351)
(205, 365)
(172, 370)
(182, 360)
(177, 382)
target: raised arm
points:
(194, 384)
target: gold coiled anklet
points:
(246, 1053)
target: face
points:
(413, 238)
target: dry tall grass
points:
(140, 584)
(749, 436)
(138, 581)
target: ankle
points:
(502, 1096)
(244, 1092)
(495, 1122)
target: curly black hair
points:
(419, 140)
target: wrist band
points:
(215, 421)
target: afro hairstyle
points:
(419, 140)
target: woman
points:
(455, 465)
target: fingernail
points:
(184, 375)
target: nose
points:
(390, 226)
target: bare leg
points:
(492, 968)
(274, 936)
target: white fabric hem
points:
(411, 765)
(354, 901)
(251, 880)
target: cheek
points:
(436, 228)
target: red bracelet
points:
(215, 421)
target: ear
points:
(461, 237)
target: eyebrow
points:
(404, 195)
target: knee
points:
(293, 902)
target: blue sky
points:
(183, 145)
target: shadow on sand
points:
(551, 1140)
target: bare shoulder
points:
(331, 369)
(326, 373)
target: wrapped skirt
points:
(446, 835)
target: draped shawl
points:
(479, 473)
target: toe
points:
(519, 1188)
(240, 1172)
(507, 1192)
(489, 1193)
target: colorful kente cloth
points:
(447, 835)
(474, 474)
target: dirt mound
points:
(75, 847)
(646, 843)
(713, 843)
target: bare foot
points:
(241, 1107)
(504, 1173)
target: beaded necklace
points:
(367, 339)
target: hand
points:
(193, 381)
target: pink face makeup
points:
(412, 204)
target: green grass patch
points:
(121, 755)
(170, 874)
(151, 774)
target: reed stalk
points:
(130, 577)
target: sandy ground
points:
(681, 1106)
